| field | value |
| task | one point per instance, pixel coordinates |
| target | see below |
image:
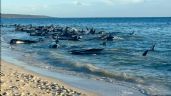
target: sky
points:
(89, 8)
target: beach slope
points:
(15, 81)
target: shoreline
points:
(86, 87)
(16, 80)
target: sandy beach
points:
(15, 81)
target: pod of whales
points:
(58, 33)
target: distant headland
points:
(23, 16)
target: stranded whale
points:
(20, 41)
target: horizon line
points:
(91, 16)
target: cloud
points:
(78, 3)
(111, 2)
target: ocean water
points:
(121, 61)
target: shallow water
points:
(121, 60)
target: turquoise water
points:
(122, 58)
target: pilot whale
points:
(20, 41)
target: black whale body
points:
(72, 38)
(87, 51)
(54, 46)
(20, 41)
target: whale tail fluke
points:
(145, 53)
(132, 33)
(152, 48)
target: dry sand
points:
(16, 81)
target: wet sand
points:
(15, 81)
